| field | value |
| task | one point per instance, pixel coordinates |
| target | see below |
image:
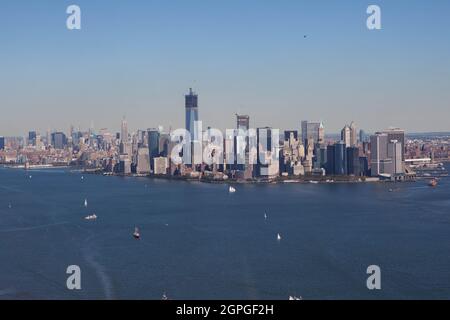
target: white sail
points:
(85, 203)
(232, 190)
(278, 237)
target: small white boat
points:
(10, 205)
(232, 190)
(85, 203)
(278, 237)
(136, 233)
(265, 216)
(295, 298)
(91, 217)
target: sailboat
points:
(265, 216)
(85, 203)
(232, 190)
(278, 237)
(136, 233)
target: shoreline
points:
(278, 180)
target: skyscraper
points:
(395, 153)
(353, 162)
(353, 134)
(340, 158)
(378, 153)
(59, 140)
(124, 131)
(32, 138)
(2, 143)
(153, 145)
(346, 136)
(243, 122)
(312, 131)
(191, 105)
(399, 135)
(143, 161)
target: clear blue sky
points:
(138, 58)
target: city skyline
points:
(279, 64)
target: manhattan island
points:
(241, 155)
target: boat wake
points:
(34, 227)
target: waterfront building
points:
(124, 164)
(143, 161)
(378, 153)
(330, 160)
(2, 143)
(268, 157)
(160, 164)
(395, 154)
(340, 158)
(398, 135)
(353, 161)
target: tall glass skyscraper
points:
(191, 104)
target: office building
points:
(353, 161)
(378, 153)
(59, 140)
(153, 144)
(2, 143)
(143, 161)
(398, 135)
(340, 158)
(160, 164)
(242, 122)
(312, 131)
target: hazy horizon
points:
(138, 59)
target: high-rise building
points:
(362, 136)
(395, 153)
(191, 106)
(143, 161)
(353, 134)
(399, 135)
(268, 159)
(59, 140)
(346, 136)
(340, 158)
(378, 153)
(2, 143)
(153, 144)
(312, 131)
(160, 164)
(124, 131)
(330, 160)
(290, 135)
(32, 138)
(353, 162)
(243, 122)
